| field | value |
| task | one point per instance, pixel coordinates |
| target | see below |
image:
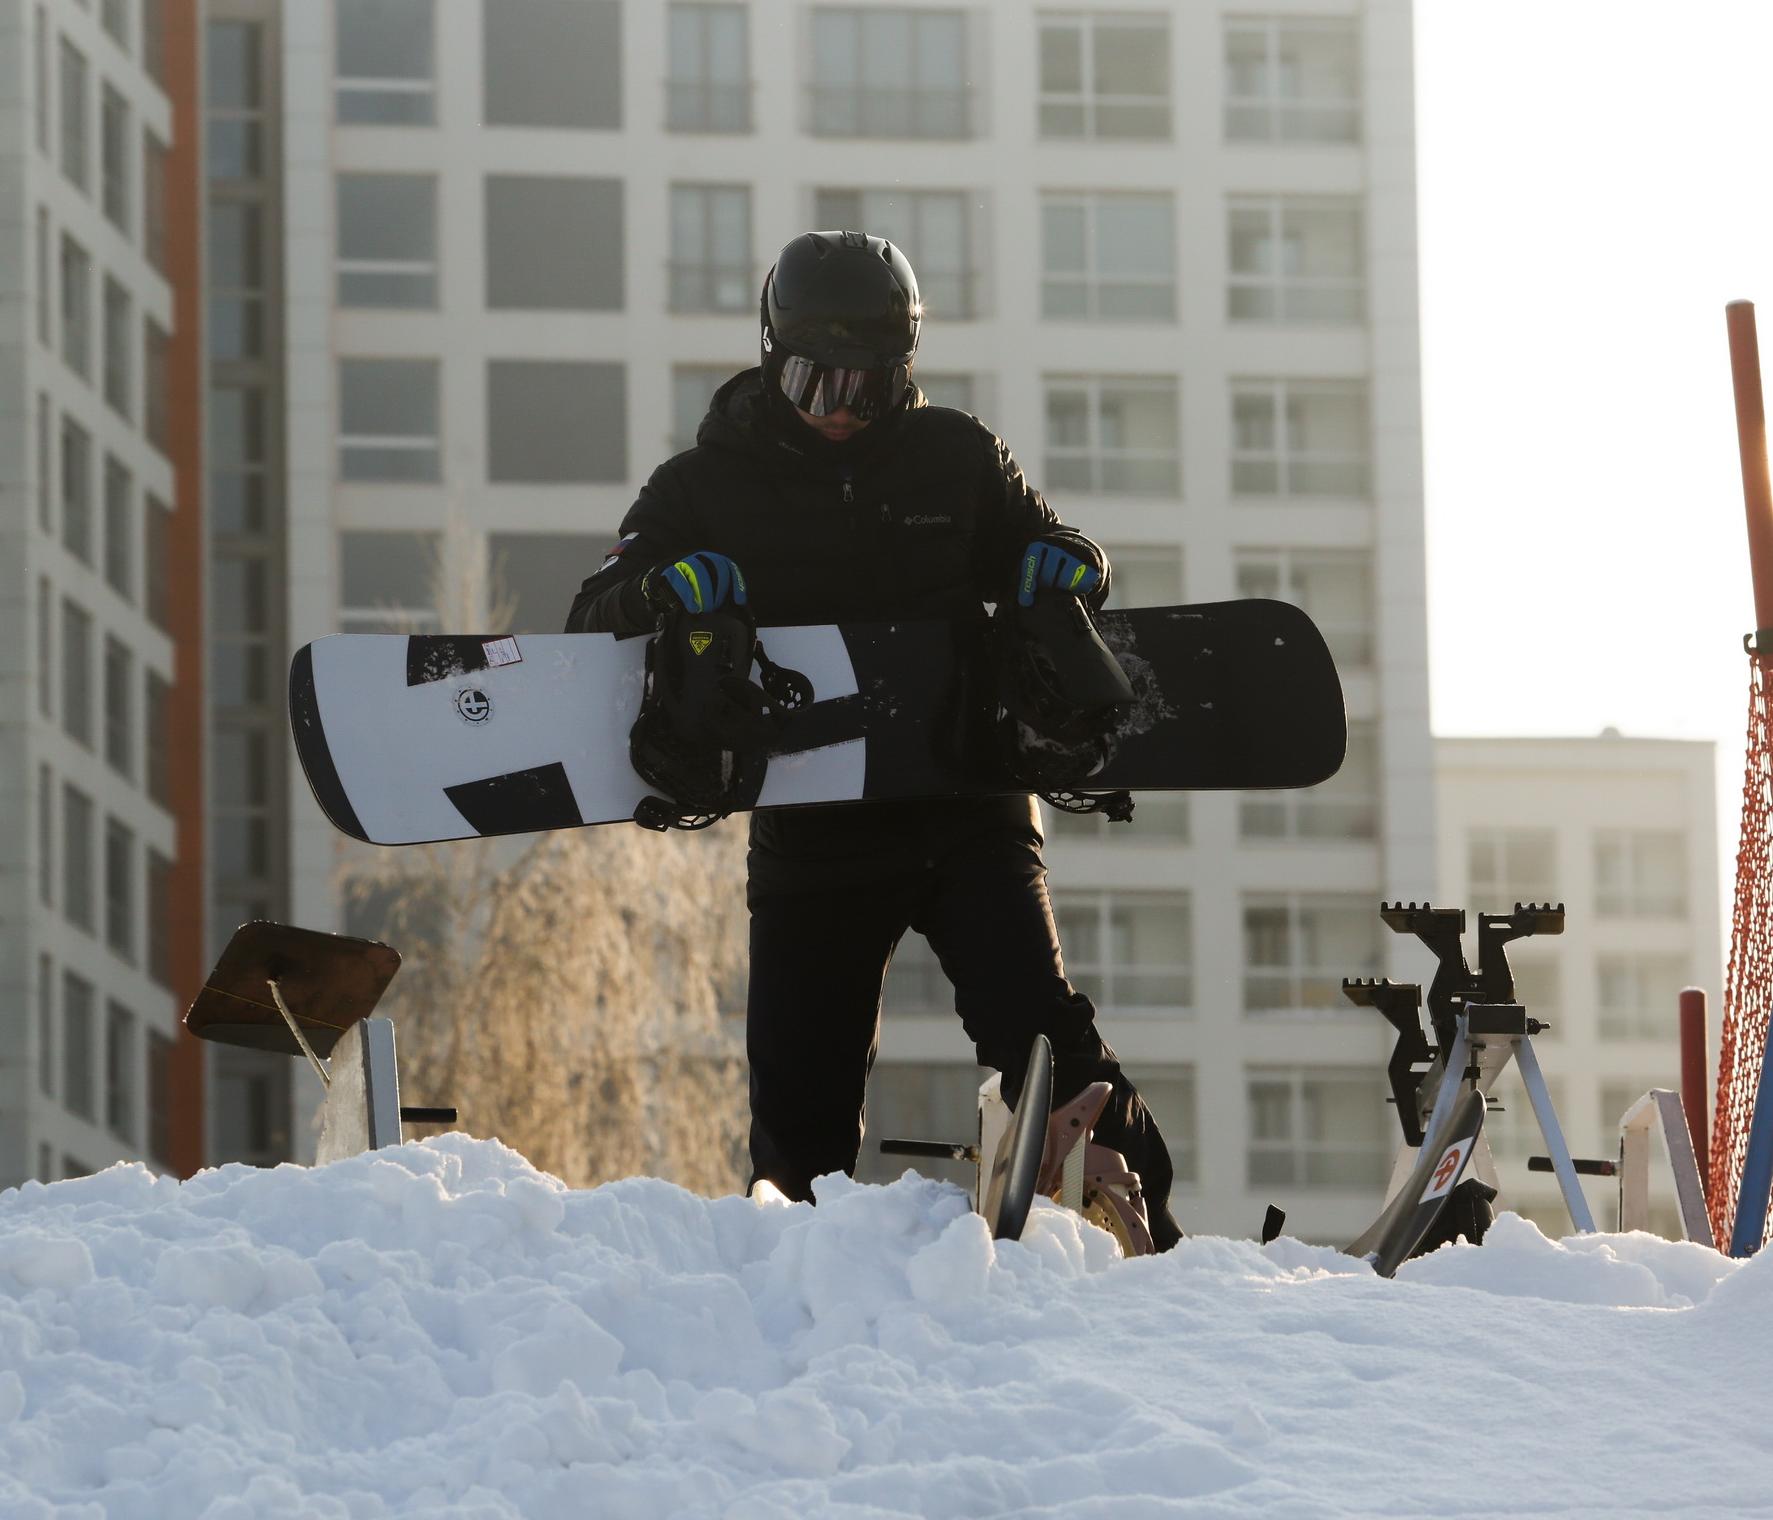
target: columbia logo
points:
(927, 521)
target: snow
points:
(440, 1330)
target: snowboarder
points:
(823, 487)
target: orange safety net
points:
(1748, 988)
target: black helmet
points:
(841, 317)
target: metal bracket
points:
(1665, 1107)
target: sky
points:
(437, 1330)
(1593, 187)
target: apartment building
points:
(101, 587)
(1623, 832)
(1168, 252)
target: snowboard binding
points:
(705, 728)
(1060, 695)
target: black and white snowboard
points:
(415, 739)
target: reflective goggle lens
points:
(822, 389)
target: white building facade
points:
(88, 1018)
(1623, 832)
(1168, 253)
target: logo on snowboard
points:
(700, 641)
(474, 705)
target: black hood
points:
(744, 415)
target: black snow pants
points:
(824, 925)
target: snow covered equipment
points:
(1037, 1150)
(705, 728)
(308, 994)
(415, 739)
(1478, 1028)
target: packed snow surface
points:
(440, 1330)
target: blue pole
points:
(1757, 1169)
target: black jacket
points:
(922, 514)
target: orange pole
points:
(1696, 1076)
(1751, 442)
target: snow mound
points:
(440, 1330)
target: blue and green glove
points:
(1049, 566)
(704, 581)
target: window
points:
(1116, 433)
(46, 836)
(931, 226)
(46, 1026)
(156, 380)
(157, 563)
(154, 40)
(76, 308)
(388, 582)
(1300, 438)
(40, 73)
(235, 279)
(76, 490)
(1510, 1124)
(1104, 76)
(692, 389)
(45, 647)
(120, 1071)
(387, 231)
(1144, 576)
(159, 1114)
(711, 247)
(553, 243)
(240, 819)
(1292, 79)
(119, 530)
(119, 320)
(237, 459)
(234, 100)
(119, 703)
(1297, 260)
(920, 1100)
(553, 63)
(45, 283)
(157, 692)
(77, 846)
(73, 96)
(388, 420)
(889, 73)
(240, 616)
(1538, 987)
(957, 391)
(154, 200)
(1638, 995)
(78, 1035)
(1163, 820)
(114, 145)
(159, 906)
(1297, 950)
(1344, 807)
(1640, 874)
(114, 17)
(1317, 1129)
(120, 888)
(536, 576)
(1509, 866)
(1335, 586)
(1128, 951)
(1169, 1094)
(77, 672)
(1108, 257)
(708, 86)
(554, 421)
(385, 62)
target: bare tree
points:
(570, 993)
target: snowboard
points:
(410, 739)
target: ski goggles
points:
(821, 389)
